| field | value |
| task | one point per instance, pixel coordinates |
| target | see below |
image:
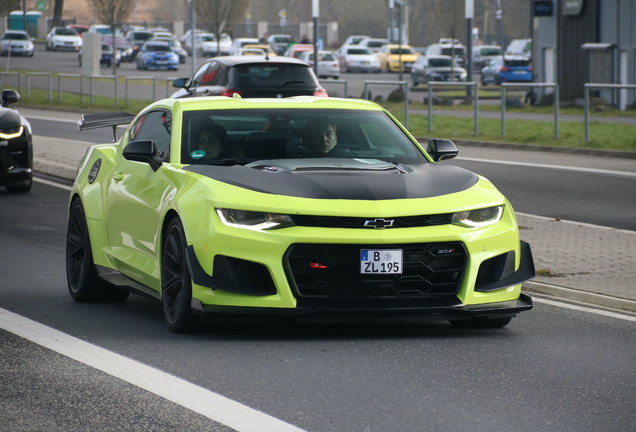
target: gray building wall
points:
(603, 21)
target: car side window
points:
(198, 76)
(211, 74)
(156, 126)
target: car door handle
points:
(118, 176)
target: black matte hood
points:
(9, 118)
(347, 179)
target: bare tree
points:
(114, 13)
(221, 15)
(58, 7)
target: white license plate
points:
(519, 72)
(408, 64)
(161, 62)
(381, 261)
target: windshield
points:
(142, 36)
(490, 52)
(443, 62)
(449, 51)
(158, 48)
(261, 134)
(208, 38)
(402, 51)
(358, 51)
(517, 63)
(268, 75)
(65, 32)
(376, 44)
(15, 36)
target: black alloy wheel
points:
(84, 284)
(176, 283)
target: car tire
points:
(46, 46)
(414, 81)
(481, 323)
(483, 81)
(176, 283)
(497, 80)
(84, 284)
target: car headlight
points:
(254, 220)
(478, 218)
(12, 132)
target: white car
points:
(16, 42)
(62, 38)
(373, 44)
(353, 58)
(328, 66)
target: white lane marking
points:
(214, 406)
(584, 309)
(52, 183)
(58, 120)
(559, 167)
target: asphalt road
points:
(550, 369)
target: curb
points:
(581, 296)
(53, 169)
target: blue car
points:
(157, 55)
(507, 69)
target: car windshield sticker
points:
(198, 154)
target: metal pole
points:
(556, 111)
(503, 110)
(315, 6)
(469, 44)
(587, 113)
(400, 42)
(476, 105)
(406, 105)
(193, 39)
(430, 107)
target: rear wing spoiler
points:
(94, 121)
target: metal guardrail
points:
(28, 78)
(10, 74)
(504, 86)
(453, 84)
(140, 78)
(59, 85)
(406, 95)
(346, 90)
(587, 89)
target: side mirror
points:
(440, 149)
(181, 83)
(9, 97)
(143, 151)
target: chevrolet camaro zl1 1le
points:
(294, 208)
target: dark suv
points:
(251, 77)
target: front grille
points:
(429, 269)
(358, 222)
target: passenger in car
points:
(213, 141)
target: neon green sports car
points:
(296, 208)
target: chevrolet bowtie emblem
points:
(378, 223)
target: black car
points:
(16, 146)
(251, 77)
